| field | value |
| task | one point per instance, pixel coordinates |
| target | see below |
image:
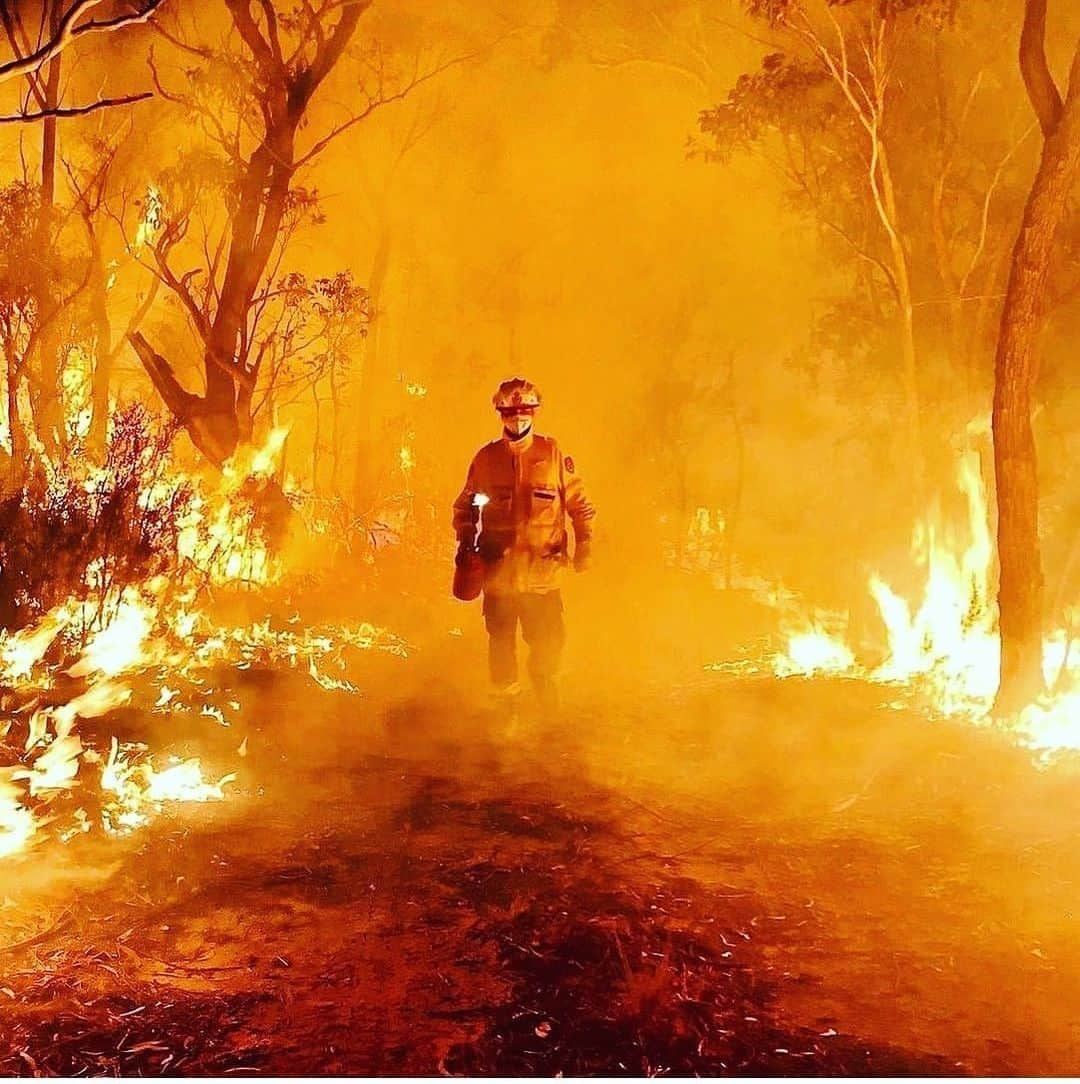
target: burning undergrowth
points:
(941, 647)
(128, 579)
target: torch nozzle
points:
(479, 500)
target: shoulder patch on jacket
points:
(568, 463)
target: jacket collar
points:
(517, 447)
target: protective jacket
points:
(531, 488)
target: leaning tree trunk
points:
(219, 420)
(1020, 591)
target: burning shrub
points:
(85, 530)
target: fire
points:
(112, 635)
(152, 218)
(135, 789)
(17, 823)
(945, 648)
(21, 651)
(814, 651)
(218, 534)
(120, 645)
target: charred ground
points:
(744, 877)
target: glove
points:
(464, 552)
(582, 555)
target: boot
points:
(547, 698)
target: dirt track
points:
(745, 876)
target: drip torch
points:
(469, 567)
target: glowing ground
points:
(743, 877)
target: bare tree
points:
(1020, 591)
(89, 183)
(37, 58)
(272, 65)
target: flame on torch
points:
(479, 500)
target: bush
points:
(87, 530)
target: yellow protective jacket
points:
(531, 489)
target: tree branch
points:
(332, 48)
(75, 110)
(319, 146)
(67, 32)
(253, 39)
(180, 401)
(1041, 88)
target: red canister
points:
(468, 576)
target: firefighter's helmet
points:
(518, 392)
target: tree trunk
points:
(48, 406)
(103, 352)
(1020, 591)
(905, 303)
(19, 446)
(371, 387)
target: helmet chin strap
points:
(515, 437)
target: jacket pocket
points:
(546, 506)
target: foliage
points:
(786, 94)
(308, 330)
(76, 529)
(928, 94)
(939, 12)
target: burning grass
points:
(943, 648)
(115, 574)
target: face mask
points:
(517, 426)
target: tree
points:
(877, 168)
(60, 26)
(90, 182)
(311, 332)
(280, 64)
(250, 95)
(1020, 590)
(25, 318)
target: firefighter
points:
(531, 489)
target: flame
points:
(21, 651)
(77, 378)
(121, 645)
(18, 825)
(153, 216)
(814, 651)
(135, 789)
(108, 633)
(945, 648)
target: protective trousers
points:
(541, 617)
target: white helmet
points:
(518, 392)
